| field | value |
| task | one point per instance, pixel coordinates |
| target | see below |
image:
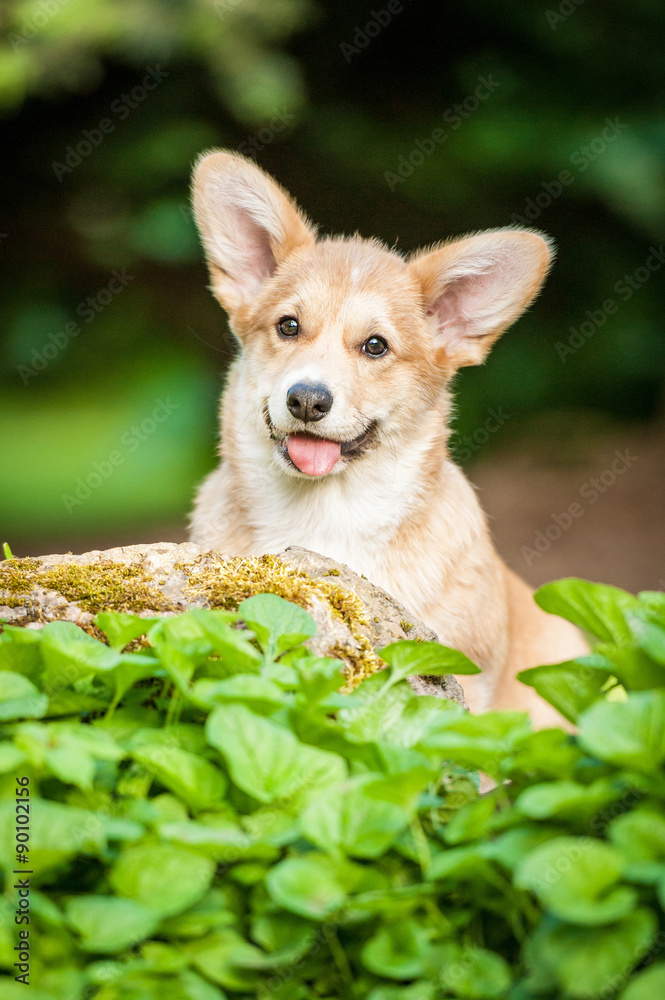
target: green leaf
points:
(416, 991)
(648, 627)
(132, 668)
(286, 936)
(313, 886)
(221, 956)
(471, 822)
(71, 766)
(461, 864)
(108, 924)
(595, 607)
(236, 652)
(629, 733)
(640, 838)
(473, 973)
(11, 757)
(20, 650)
(586, 961)
(421, 715)
(70, 653)
(654, 602)
(211, 912)
(352, 818)
(647, 985)
(256, 692)
(511, 847)
(409, 657)
(319, 675)
(632, 666)
(181, 646)
(165, 877)
(85, 738)
(278, 624)
(159, 957)
(375, 710)
(69, 750)
(397, 951)
(197, 988)
(219, 839)
(567, 799)
(484, 741)
(571, 686)
(19, 698)
(546, 753)
(65, 701)
(192, 778)
(575, 878)
(266, 760)
(122, 628)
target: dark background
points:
(359, 89)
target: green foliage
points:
(210, 817)
(271, 79)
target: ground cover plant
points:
(210, 815)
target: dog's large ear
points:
(248, 225)
(475, 287)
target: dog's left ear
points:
(475, 287)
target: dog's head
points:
(346, 343)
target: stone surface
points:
(179, 576)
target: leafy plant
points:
(212, 816)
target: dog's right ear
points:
(248, 225)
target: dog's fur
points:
(394, 507)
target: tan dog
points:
(334, 418)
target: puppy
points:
(334, 417)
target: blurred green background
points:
(109, 387)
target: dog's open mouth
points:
(317, 456)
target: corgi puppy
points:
(335, 415)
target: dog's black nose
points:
(309, 402)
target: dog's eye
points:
(288, 326)
(376, 347)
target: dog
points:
(335, 415)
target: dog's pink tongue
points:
(314, 456)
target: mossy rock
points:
(353, 616)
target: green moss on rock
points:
(95, 587)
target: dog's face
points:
(346, 344)
(338, 355)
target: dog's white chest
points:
(351, 527)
